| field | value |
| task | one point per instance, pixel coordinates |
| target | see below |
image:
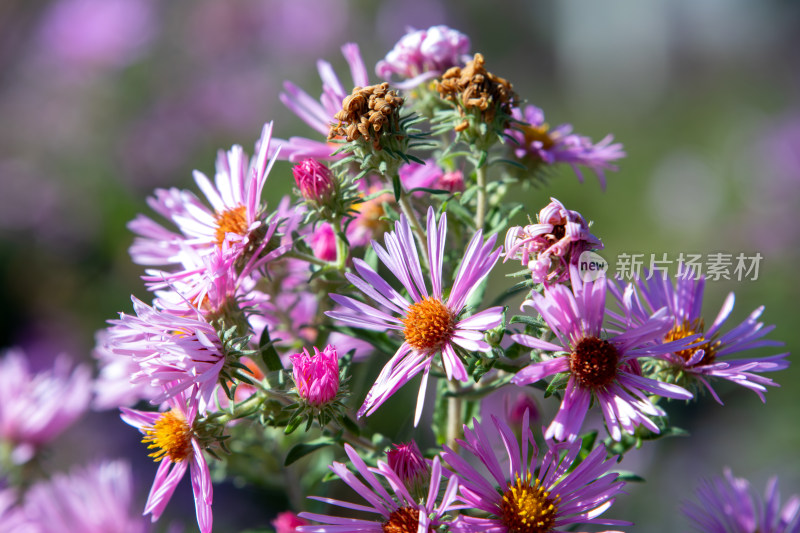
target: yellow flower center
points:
(594, 362)
(527, 508)
(538, 133)
(170, 436)
(403, 520)
(685, 329)
(428, 325)
(231, 221)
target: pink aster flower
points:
(519, 493)
(35, 408)
(600, 366)
(421, 55)
(315, 181)
(398, 509)
(430, 323)
(113, 388)
(537, 142)
(711, 359)
(176, 350)
(172, 437)
(728, 506)
(319, 114)
(236, 216)
(97, 498)
(551, 245)
(316, 377)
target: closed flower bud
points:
(410, 466)
(316, 377)
(315, 181)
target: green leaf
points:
(301, 450)
(268, 353)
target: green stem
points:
(480, 212)
(341, 245)
(454, 415)
(307, 258)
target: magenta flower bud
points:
(452, 181)
(316, 377)
(315, 181)
(323, 242)
(287, 522)
(410, 466)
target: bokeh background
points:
(103, 100)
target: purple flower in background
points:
(35, 408)
(319, 114)
(399, 510)
(316, 377)
(175, 349)
(536, 141)
(521, 494)
(323, 242)
(113, 388)
(12, 516)
(97, 33)
(235, 216)
(176, 447)
(603, 368)
(430, 322)
(421, 55)
(550, 246)
(711, 359)
(727, 505)
(97, 498)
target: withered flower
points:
(367, 113)
(475, 88)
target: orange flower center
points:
(403, 520)
(686, 329)
(428, 325)
(231, 221)
(538, 133)
(594, 362)
(527, 508)
(170, 436)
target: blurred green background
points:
(103, 100)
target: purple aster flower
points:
(94, 499)
(319, 114)
(421, 55)
(236, 216)
(600, 366)
(399, 510)
(683, 301)
(35, 408)
(172, 437)
(176, 349)
(316, 377)
(537, 142)
(430, 323)
(728, 506)
(521, 496)
(551, 245)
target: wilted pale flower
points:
(315, 181)
(422, 55)
(37, 408)
(551, 245)
(316, 377)
(728, 506)
(98, 498)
